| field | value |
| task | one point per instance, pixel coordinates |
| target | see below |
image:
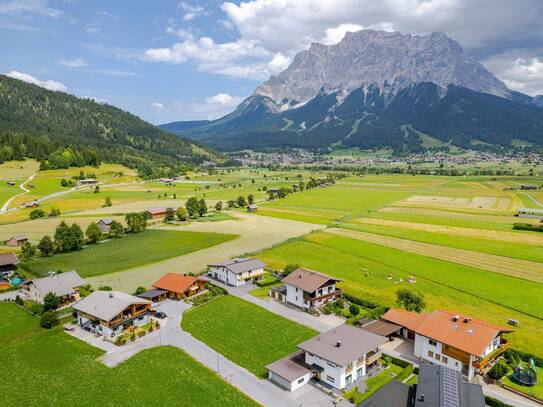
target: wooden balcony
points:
(493, 355)
(457, 354)
(251, 275)
(337, 293)
(372, 357)
(126, 317)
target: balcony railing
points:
(493, 355)
(373, 356)
(336, 293)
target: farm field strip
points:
(524, 269)
(475, 202)
(448, 218)
(529, 238)
(513, 250)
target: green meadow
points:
(55, 369)
(245, 333)
(128, 251)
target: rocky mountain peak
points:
(390, 60)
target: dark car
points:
(160, 315)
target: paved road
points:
(504, 395)
(322, 323)
(9, 295)
(22, 186)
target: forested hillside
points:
(61, 130)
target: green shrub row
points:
(528, 226)
(397, 362)
(267, 283)
(405, 373)
(360, 301)
(492, 402)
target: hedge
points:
(492, 402)
(360, 301)
(266, 283)
(528, 226)
(405, 373)
(396, 361)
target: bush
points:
(528, 226)
(140, 290)
(289, 268)
(105, 288)
(266, 283)
(37, 214)
(499, 370)
(405, 373)
(492, 402)
(48, 320)
(360, 301)
(354, 309)
(525, 356)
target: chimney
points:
(338, 344)
(466, 320)
(456, 318)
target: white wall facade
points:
(107, 331)
(224, 275)
(290, 385)
(295, 296)
(425, 345)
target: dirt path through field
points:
(256, 233)
(527, 270)
(25, 191)
(514, 237)
(533, 199)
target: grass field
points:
(446, 285)
(55, 369)
(18, 169)
(245, 333)
(126, 252)
(516, 260)
(335, 203)
(536, 391)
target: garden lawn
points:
(129, 251)
(245, 333)
(374, 383)
(535, 391)
(480, 294)
(55, 369)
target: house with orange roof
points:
(454, 340)
(179, 286)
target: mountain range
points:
(377, 89)
(39, 123)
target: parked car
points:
(160, 315)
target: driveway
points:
(322, 323)
(9, 295)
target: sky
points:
(167, 60)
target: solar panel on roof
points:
(450, 388)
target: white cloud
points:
(192, 11)
(114, 72)
(49, 84)
(73, 63)
(270, 32)
(28, 7)
(519, 71)
(211, 107)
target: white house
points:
(64, 285)
(109, 313)
(237, 271)
(338, 358)
(307, 288)
(444, 338)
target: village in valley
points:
(283, 286)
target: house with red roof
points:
(451, 339)
(179, 286)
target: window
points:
(445, 359)
(430, 353)
(301, 380)
(330, 379)
(437, 356)
(350, 365)
(432, 342)
(456, 363)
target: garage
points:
(291, 372)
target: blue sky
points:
(182, 60)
